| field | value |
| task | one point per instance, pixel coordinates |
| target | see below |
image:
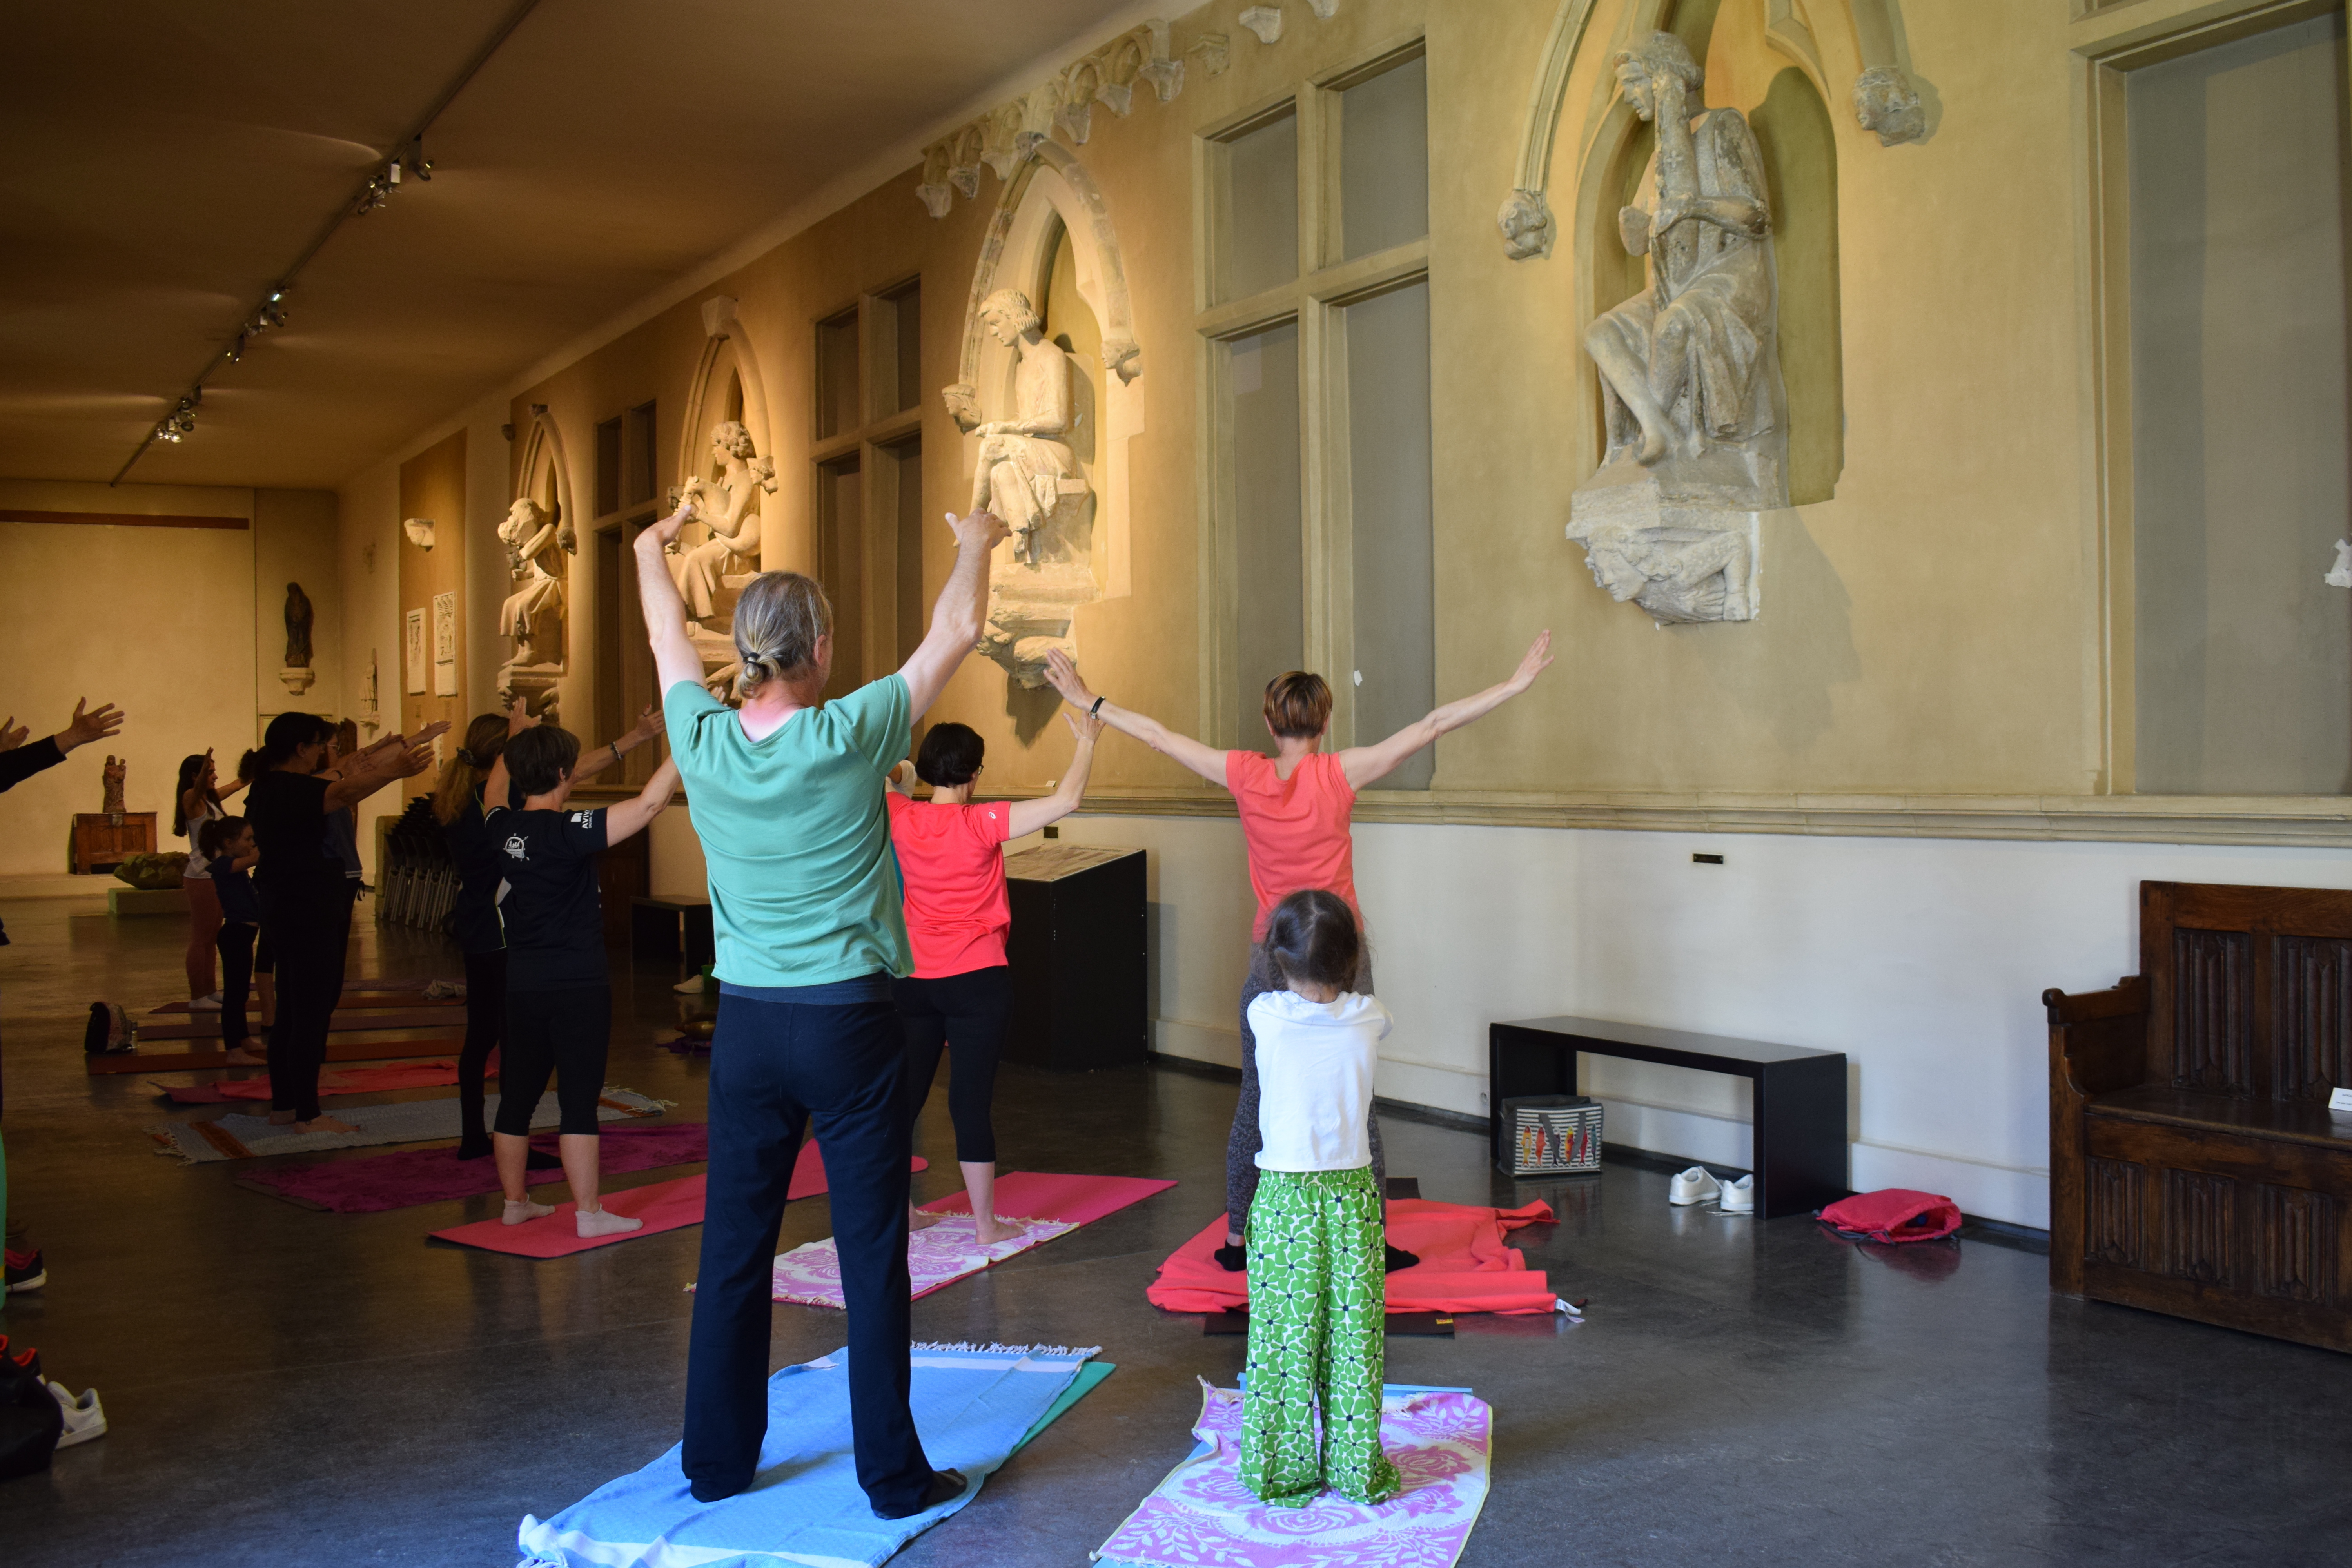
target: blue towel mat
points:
(974, 1405)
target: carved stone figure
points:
(1885, 103)
(709, 575)
(112, 778)
(533, 614)
(298, 627)
(1690, 368)
(1027, 474)
(420, 532)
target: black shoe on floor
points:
(468, 1150)
(1233, 1259)
(946, 1486)
(716, 1491)
(1400, 1259)
(25, 1272)
(541, 1160)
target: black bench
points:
(666, 927)
(1800, 1128)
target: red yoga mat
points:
(407, 1177)
(358, 1080)
(664, 1206)
(1465, 1265)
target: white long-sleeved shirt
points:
(1315, 1062)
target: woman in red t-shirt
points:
(1295, 809)
(951, 860)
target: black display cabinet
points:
(1079, 952)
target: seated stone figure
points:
(1023, 461)
(533, 614)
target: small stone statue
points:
(298, 627)
(113, 776)
(533, 614)
(1024, 463)
(726, 506)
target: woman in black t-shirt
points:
(457, 808)
(306, 907)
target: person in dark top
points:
(559, 1000)
(226, 845)
(457, 808)
(19, 762)
(306, 900)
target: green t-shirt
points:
(804, 888)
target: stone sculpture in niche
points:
(711, 574)
(1027, 475)
(112, 776)
(1885, 103)
(533, 614)
(296, 675)
(1690, 368)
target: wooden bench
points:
(1800, 1128)
(2194, 1166)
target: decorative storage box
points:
(1553, 1135)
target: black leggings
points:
(566, 1032)
(966, 1013)
(235, 944)
(486, 1025)
(311, 938)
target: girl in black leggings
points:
(952, 857)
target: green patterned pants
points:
(1317, 1336)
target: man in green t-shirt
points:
(786, 794)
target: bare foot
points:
(993, 1228)
(324, 1124)
(918, 1220)
(247, 1057)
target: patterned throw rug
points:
(975, 1405)
(1201, 1516)
(943, 1254)
(239, 1137)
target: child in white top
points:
(1317, 1335)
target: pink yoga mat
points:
(407, 1177)
(1465, 1265)
(664, 1205)
(358, 1080)
(1065, 1197)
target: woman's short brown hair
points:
(1297, 705)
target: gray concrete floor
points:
(291, 1387)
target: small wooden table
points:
(1800, 1128)
(1080, 954)
(104, 839)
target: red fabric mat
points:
(1465, 1265)
(664, 1205)
(358, 1080)
(1071, 1199)
(412, 1014)
(408, 1177)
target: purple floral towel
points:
(1202, 1517)
(411, 1176)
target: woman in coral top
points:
(951, 862)
(1295, 809)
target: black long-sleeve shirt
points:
(24, 760)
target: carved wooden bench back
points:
(2251, 989)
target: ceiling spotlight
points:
(413, 160)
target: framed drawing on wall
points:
(445, 645)
(413, 659)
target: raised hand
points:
(414, 761)
(519, 716)
(665, 532)
(1063, 675)
(651, 722)
(1538, 656)
(89, 724)
(983, 528)
(1088, 727)
(12, 734)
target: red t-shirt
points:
(1297, 829)
(951, 858)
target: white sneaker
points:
(205, 1003)
(85, 1417)
(1692, 1187)
(1738, 1197)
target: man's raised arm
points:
(957, 618)
(674, 659)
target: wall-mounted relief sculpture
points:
(1690, 372)
(723, 476)
(540, 539)
(1045, 398)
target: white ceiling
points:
(162, 163)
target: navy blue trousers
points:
(775, 1067)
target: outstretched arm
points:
(675, 660)
(1202, 758)
(630, 816)
(649, 723)
(957, 618)
(380, 770)
(1363, 764)
(1029, 815)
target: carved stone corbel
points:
(1886, 103)
(963, 162)
(1075, 113)
(963, 404)
(1526, 225)
(1123, 357)
(936, 194)
(1325, 9)
(1213, 51)
(1266, 21)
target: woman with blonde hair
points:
(458, 807)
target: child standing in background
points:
(1317, 1304)
(559, 996)
(227, 843)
